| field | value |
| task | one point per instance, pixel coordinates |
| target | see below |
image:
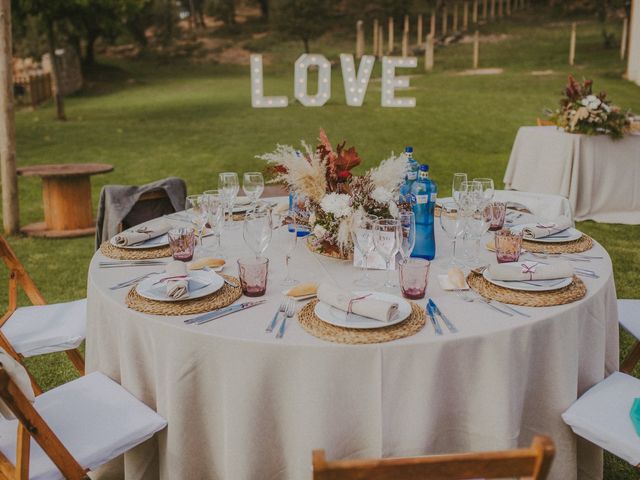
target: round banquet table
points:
(242, 404)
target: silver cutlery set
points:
(434, 313)
(472, 296)
(287, 310)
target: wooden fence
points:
(32, 89)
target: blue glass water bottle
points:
(411, 175)
(424, 194)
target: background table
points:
(599, 176)
(66, 197)
(243, 405)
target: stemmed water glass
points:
(253, 185)
(215, 208)
(408, 224)
(228, 186)
(387, 239)
(288, 237)
(258, 229)
(195, 208)
(452, 222)
(487, 188)
(362, 232)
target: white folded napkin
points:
(141, 233)
(179, 287)
(347, 301)
(519, 271)
(544, 229)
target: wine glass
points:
(215, 206)
(228, 186)
(195, 208)
(253, 185)
(387, 238)
(488, 190)
(478, 225)
(459, 180)
(362, 231)
(258, 229)
(408, 223)
(452, 222)
(287, 236)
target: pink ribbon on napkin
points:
(530, 269)
(353, 300)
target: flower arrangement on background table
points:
(334, 196)
(583, 112)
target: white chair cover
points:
(40, 329)
(601, 416)
(543, 205)
(95, 419)
(20, 377)
(629, 316)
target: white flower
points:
(338, 204)
(390, 173)
(381, 195)
(319, 231)
(312, 219)
(606, 108)
(393, 209)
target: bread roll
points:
(304, 289)
(206, 262)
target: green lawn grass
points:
(152, 119)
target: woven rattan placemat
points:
(117, 253)
(568, 294)
(352, 336)
(222, 298)
(583, 244)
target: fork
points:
(290, 312)
(128, 283)
(274, 321)
(472, 297)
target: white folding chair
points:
(40, 328)
(601, 415)
(75, 427)
(629, 318)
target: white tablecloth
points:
(243, 405)
(599, 176)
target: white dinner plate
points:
(337, 317)
(161, 241)
(568, 235)
(531, 285)
(201, 283)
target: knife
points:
(221, 312)
(434, 322)
(452, 328)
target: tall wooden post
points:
(432, 27)
(10, 211)
(500, 8)
(420, 30)
(623, 39)
(405, 26)
(445, 19)
(465, 15)
(508, 8)
(484, 9)
(405, 43)
(474, 15)
(492, 15)
(476, 50)
(455, 17)
(380, 41)
(375, 37)
(572, 45)
(390, 38)
(428, 53)
(359, 39)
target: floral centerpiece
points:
(583, 112)
(335, 197)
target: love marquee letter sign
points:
(355, 82)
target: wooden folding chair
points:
(544, 123)
(92, 415)
(19, 278)
(533, 462)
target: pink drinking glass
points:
(253, 275)
(414, 278)
(498, 211)
(508, 245)
(182, 242)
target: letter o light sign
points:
(355, 81)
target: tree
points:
(303, 19)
